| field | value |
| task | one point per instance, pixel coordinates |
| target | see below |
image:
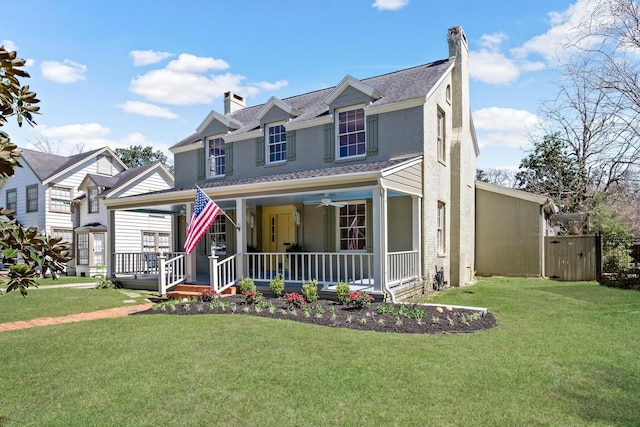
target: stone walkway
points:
(80, 317)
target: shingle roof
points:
(110, 182)
(397, 86)
(45, 165)
(306, 174)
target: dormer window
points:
(350, 133)
(217, 159)
(92, 199)
(276, 143)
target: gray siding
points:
(185, 165)
(348, 97)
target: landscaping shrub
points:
(277, 285)
(342, 292)
(294, 300)
(252, 297)
(310, 290)
(208, 295)
(360, 299)
(246, 285)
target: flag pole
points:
(222, 210)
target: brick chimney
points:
(233, 102)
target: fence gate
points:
(571, 258)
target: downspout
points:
(383, 220)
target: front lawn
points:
(563, 354)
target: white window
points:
(61, 199)
(216, 157)
(12, 199)
(83, 249)
(442, 141)
(350, 133)
(92, 199)
(441, 228)
(156, 241)
(32, 198)
(217, 236)
(276, 144)
(352, 227)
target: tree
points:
(136, 155)
(40, 253)
(46, 146)
(497, 176)
(550, 169)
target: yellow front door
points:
(279, 231)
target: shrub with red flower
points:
(251, 297)
(294, 300)
(208, 295)
(359, 299)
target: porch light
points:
(296, 216)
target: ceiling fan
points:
(328, 202)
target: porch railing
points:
(171, 271)
(326, 267)
(403, 267)
(226, 273)
(139, 263)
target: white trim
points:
(276, 102)
(338, 228)
(512, 192)
(207, 151)
(394, 106)
(214, 115)
(397, 168)
(267, 126)
(189, 147)
(303, 124)
(354, 83)
(244, 136)
(445, 75)
(148, 172)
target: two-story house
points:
(369, 182)
(64, 197)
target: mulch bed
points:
(331, 314)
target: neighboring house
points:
(370, 182)
(63, 197)
(510, 229)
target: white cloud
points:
(492, 68)
(187, 63)
(146, 109)
(91, 136)
(9, 45)
(147, 57)
(506, 127)
(390, 4)
(185, 81)
(63, 72)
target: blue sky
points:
(148, 72)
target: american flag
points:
(205, 212)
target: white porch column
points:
(190, 259)
(110, 244)
(241, 235)
(380, 246)
(416, 205)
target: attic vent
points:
(233, 102)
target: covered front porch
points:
(363, 229)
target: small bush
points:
(310, 290)
(208, 295)
(342, 292)
(294, 300)
(360, 299)
(104, 283)
(246, 285)
(277, 286)
(252, 297)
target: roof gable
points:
(354, 83)
(274, 102)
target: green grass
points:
(59, 302)
(564, 354)
(65, 280)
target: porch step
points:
(194, 291)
